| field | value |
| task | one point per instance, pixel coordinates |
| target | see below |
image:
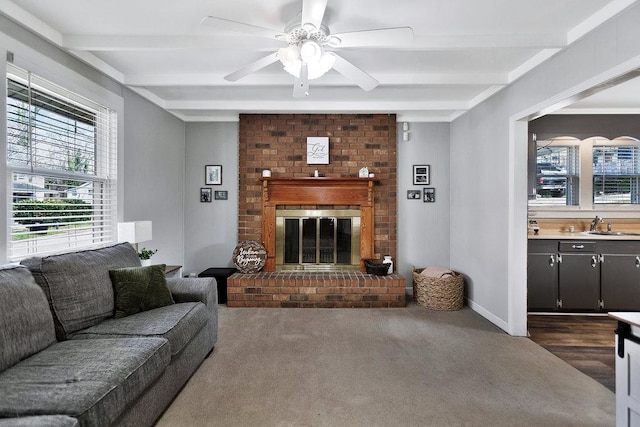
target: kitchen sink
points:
(613, 233)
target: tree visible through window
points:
(61, 154)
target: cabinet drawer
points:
(577, 246)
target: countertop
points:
(578, 235)
(630, 317)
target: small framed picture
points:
(205, 195)
(213, 175)
(421, 174)
(429, 195)
(220, 195)
(413, 194)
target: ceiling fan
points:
(310, 50)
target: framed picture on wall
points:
(421, 174)
(220, 195)
(213, 175)
(205, 195)
(414, 194)
(429, 195)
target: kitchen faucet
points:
(595, 222)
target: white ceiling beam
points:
(310, 104)
(429, 42)
(531, 63)
(600, 17)
(283, 79)
(11, 10)
(488, 41)
(124, 43)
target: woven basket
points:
(436, 293)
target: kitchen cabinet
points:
(579, 281)
(579, 275)
(542, 281)
(620, 275)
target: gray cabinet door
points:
(620, 282)
(542, 281)
(579, 281)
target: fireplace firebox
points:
(318, 240)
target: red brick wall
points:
(278, 142)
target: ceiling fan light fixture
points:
(319, 68)
(310, 51)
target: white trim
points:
(500, 323)
(517, 277)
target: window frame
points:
(586, 196)
(105, 172)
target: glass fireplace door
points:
(321, 241)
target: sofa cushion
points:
(139, 289)
(26, 324)
(178, 323)
(91, 380)
(40, 421)
(78, 286)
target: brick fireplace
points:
(278, 142)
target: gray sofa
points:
(65, 360)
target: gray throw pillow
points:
(139, 289)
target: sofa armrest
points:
(194, 289)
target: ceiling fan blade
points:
(301, 84)
(223, 24)
(252, 68)
(375, 38)
(313, 12)
(355, 74)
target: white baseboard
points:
(488, 315)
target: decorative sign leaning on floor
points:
(317, 150)
(249, 256)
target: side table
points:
(172, 270)
(220, 275)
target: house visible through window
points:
(61, 154)
(609, 176)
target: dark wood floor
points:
(585, 342)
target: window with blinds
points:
(616, 174)
(61, 154)
(557, 179)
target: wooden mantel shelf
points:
(317, 191)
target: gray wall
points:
(211, 229)
(488, 177)
(153, 175)
(423, 228)
(151, 141)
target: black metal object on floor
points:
(220, 274)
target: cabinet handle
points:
(552, 260)
(577, 246)
(638, 262)
(594, 261)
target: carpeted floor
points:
(382, 367)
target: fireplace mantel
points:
(317, 191)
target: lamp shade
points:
(134, 232)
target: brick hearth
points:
(321, 290)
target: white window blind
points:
(616, 174)
(61, 154)
(557, 177)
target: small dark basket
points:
(376, 268)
